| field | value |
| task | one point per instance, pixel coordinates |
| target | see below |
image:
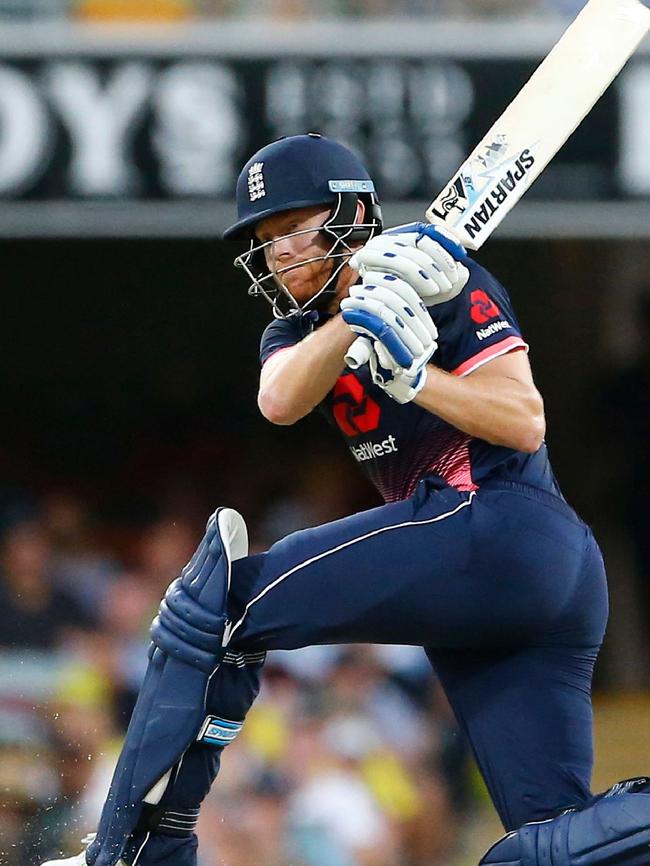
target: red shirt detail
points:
(483, 307)
(353, 410)
(510, 344)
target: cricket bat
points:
(548, 108)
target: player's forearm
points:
(500, 410)
(298, 379)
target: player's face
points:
(293, 242)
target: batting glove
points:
(392, 379)
(387, 310)
(425, 256)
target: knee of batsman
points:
(612, 829)
(186, 630)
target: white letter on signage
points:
(24, 131)
(101, 119)
(197, 128)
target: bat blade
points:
(521, 143)
(545, 112)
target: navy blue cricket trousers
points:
(506, 590)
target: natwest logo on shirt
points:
(494, 328)
(483, 307)
(369, 450)
(353, 410)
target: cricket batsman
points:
(475, 555)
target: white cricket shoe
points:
(78, 859)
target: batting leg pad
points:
(187, 648)
(612, 828)
(165, 834)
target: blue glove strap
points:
(381, 331)
(454, 249)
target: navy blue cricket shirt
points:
(397, 445)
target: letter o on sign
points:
(24, 131)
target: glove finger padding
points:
(380, 281)
(424, 255)
(411, 333)
(388, 369)
(373, 327)
(443, 259)
(394, 245)
(418, 269)
(399, 297)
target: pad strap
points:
(169, 822)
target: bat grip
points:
(359, 353)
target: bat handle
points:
(359, 353)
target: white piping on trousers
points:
(231, 630)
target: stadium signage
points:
(167, 124)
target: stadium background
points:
(128, 393)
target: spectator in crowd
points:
(319, 490)
(162, 550)
(125, 616)
(81, 565)
(28, 785)
(33, 611)
(54, 736)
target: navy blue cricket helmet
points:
(295, 172)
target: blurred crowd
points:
(280, 9)
(350, 756)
